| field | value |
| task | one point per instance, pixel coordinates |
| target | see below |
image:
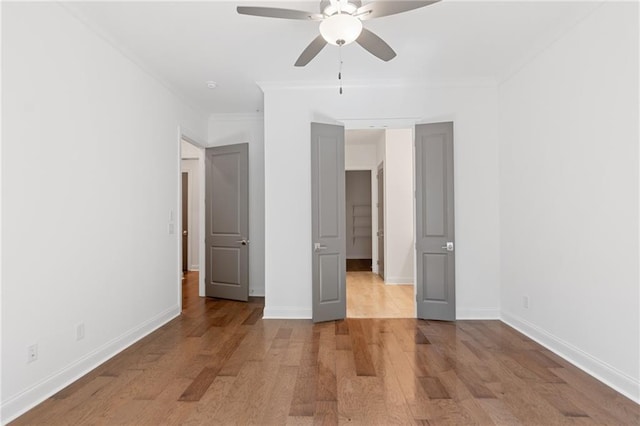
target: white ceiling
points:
(185, 44)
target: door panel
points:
(227, 222)
(381, 220)
(328, 222)
(329, 273)
(434, 270)
(435, 224)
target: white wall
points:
(569, 196)
(398, 207)
(288, 112)
(90, 175)
(228, 129)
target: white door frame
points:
(402, 123)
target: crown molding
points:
(251, 116)
(267, 86)
(546, 43)
(70, 8)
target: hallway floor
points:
(369, 297)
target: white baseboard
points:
(477, 314)
(612, 377)
(256, 292)
(29, 398)
(194, 268)
(398, 280)
(286, 312)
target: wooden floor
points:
(369, 297)
(220, 363)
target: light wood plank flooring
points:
(220, 363)
(369, 297)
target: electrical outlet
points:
(80, 331)
(32, 353)
(525, 302)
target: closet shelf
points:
(361, 221)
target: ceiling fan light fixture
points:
(340, 29)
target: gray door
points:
(227, 222)
(328, 222)
(381, 220)
(185, 221)
(436, 289)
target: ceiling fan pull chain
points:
(340, 68)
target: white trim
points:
(376, 83)
(380, 123)
(477, 313)
(398, 280)
(607, 374)
(96, 29)
(286, 312)
(29, 398)
(221, 117)
(545, 44)
(256, 292)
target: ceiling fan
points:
(341, 23)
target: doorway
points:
(358, 220)
(185, 222)
(385, 288)
(430, 198)
(191, 217)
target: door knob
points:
(243, 242)
(318, 247)
(449, 246)
(184, 233)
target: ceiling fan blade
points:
(375, 45)
(274, 12)
(378, 9)
(311, 51)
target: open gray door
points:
(328, 222)
(227, 222)
(436, 286)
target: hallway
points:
(369, 297)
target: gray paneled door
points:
(227, 222)
(328, 222)
(436, 289)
